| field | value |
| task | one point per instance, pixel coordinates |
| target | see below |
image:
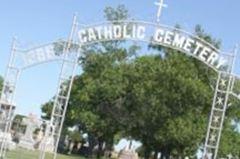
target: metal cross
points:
(216, 119)
(213, 138)
(223, 82)
(220, 100)
(160, 5)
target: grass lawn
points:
(26, 154)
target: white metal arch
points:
(62, 95)
(155, 25)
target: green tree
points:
(161, 100)
(96, 95)
(47, 110)
(168, 104)
(230, 141)
(1, 83)
(184, 131)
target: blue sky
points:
(41, 21)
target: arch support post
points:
(218, 111)
(69, 65)
(7, 106)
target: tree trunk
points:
(109, 144)
(100, 151)
(91, 141)
(147, 153)
(165, 154)
(155, 155)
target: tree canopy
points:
(162, 100)
(1, 83)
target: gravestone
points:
(47, 141)
(47, 144)
(27, 140)
(2, 121)
(7, 136)
(127, 154)
(4, 110)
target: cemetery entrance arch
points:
(147, 32)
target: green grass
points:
(27, 154)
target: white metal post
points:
(219, 107)
(63, 94)
(7, 96)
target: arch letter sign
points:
(153, 33)
(148, 32)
